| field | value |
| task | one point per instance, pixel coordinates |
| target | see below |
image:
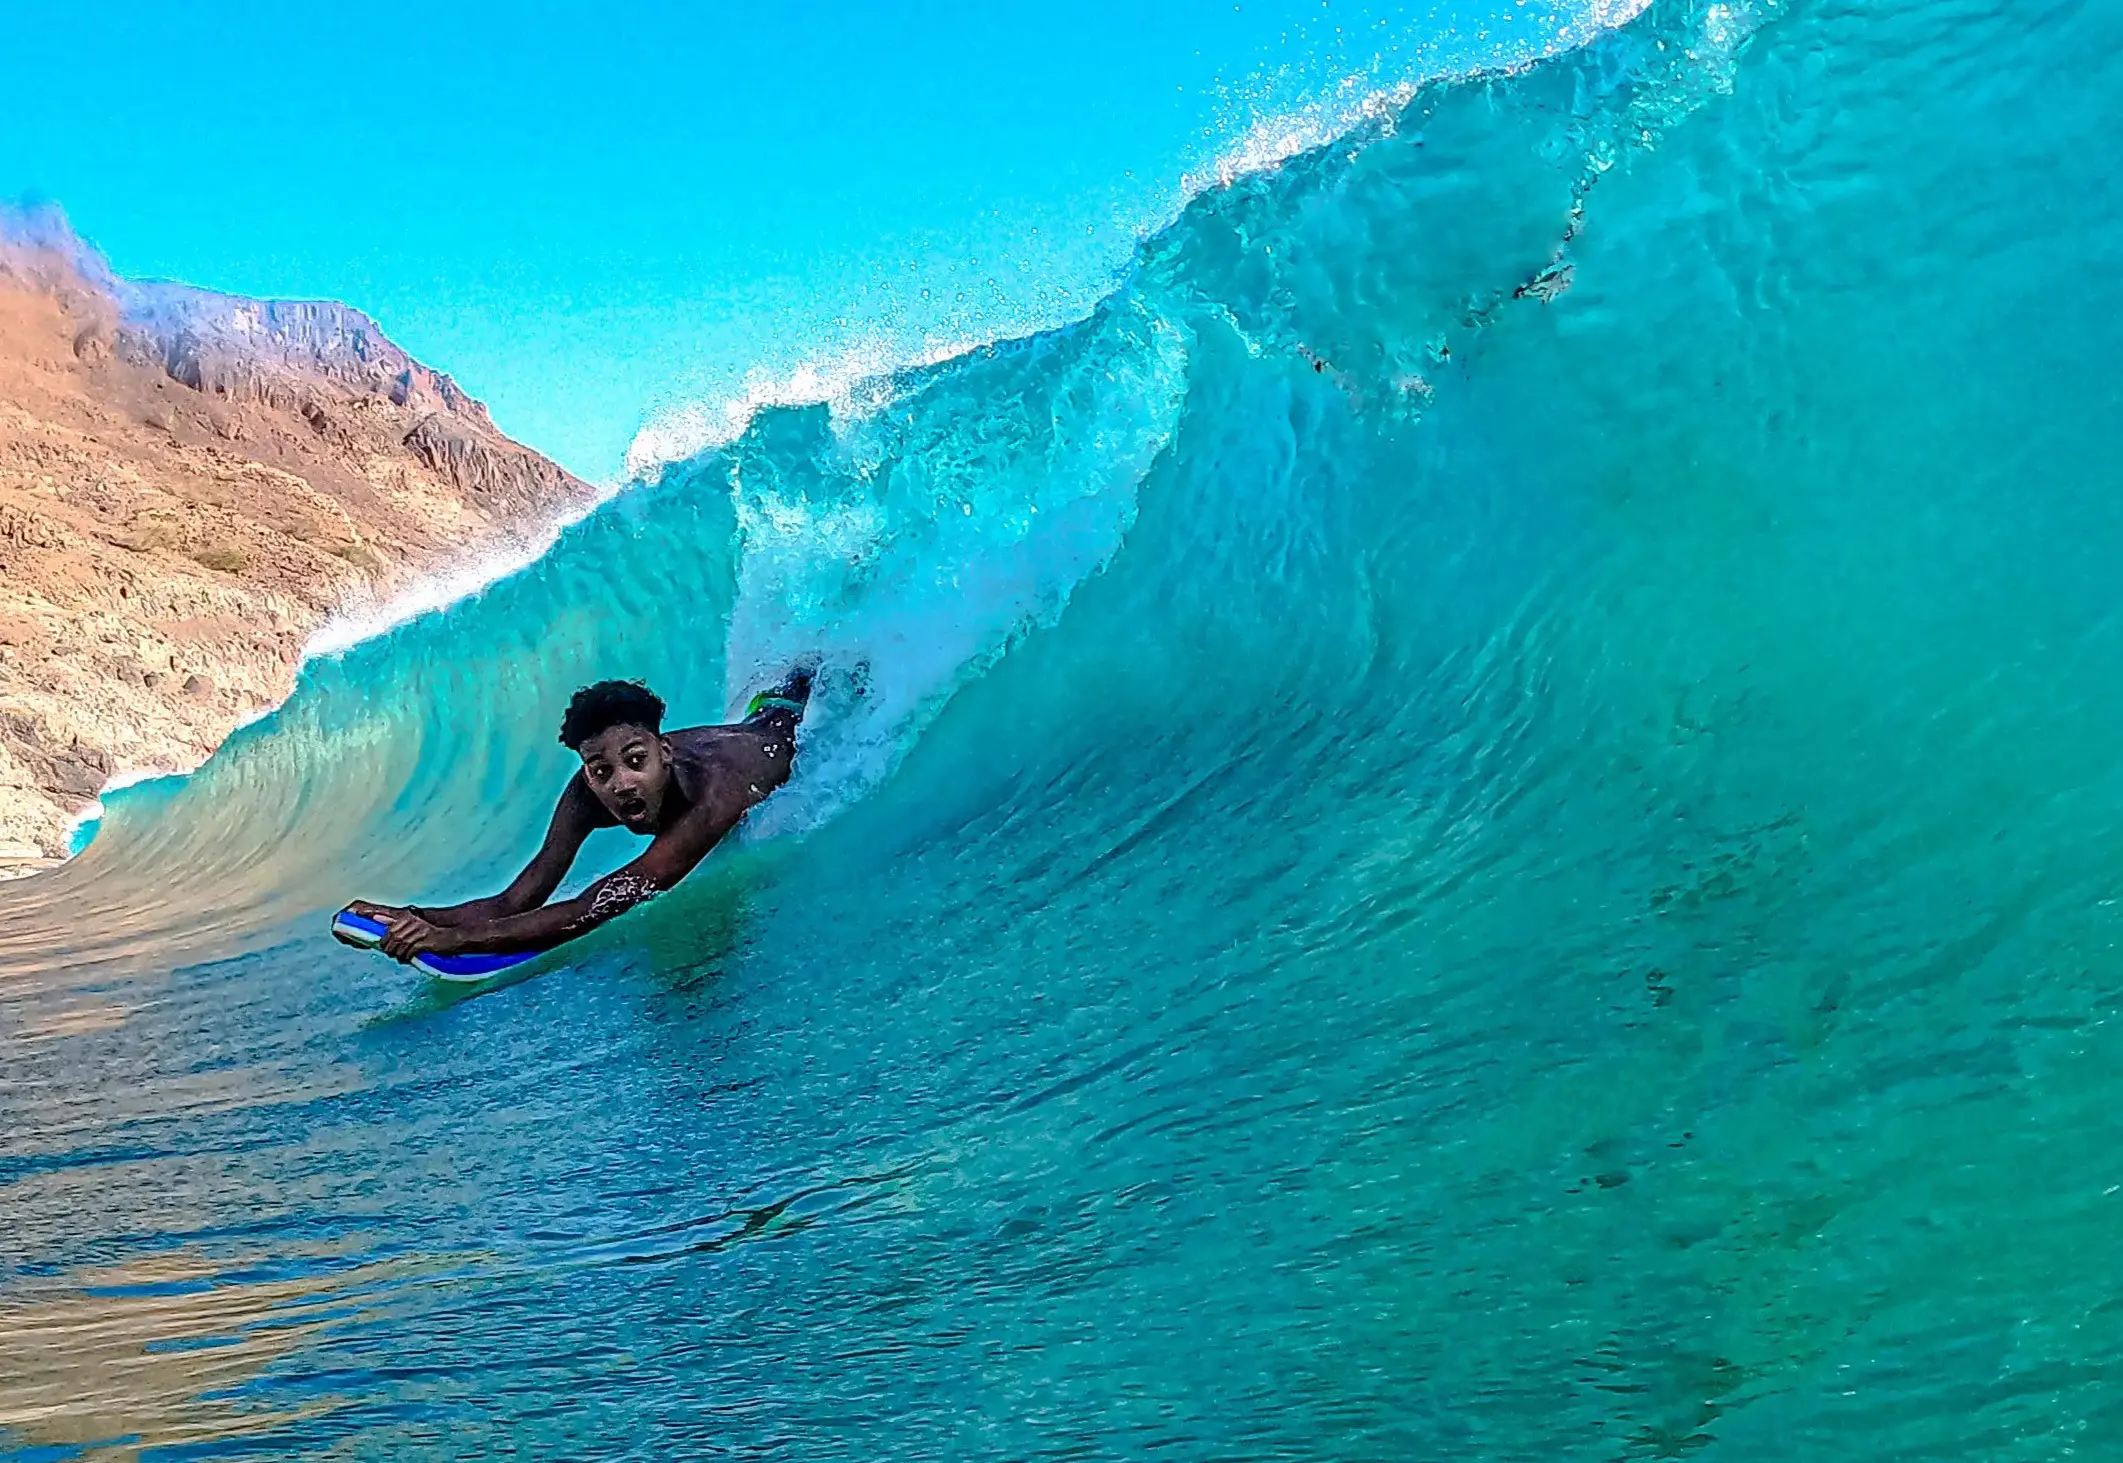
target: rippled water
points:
(1482, 821)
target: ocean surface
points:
(1483, 819)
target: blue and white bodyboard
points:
(350, 928)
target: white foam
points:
(95, 812)
(900, 585)
(350, 626)
(841, 382)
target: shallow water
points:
(1483, 820)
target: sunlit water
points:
(1483, 820)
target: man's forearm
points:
(510, 934)
(556, 924)
(471, 912)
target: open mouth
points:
(633, 810)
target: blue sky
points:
(593, 215)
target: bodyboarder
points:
(682, 789)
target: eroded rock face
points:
(190, 483)
(504, 477)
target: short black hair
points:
(607, 704)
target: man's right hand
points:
(413, 935)
(383, 914)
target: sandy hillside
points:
(191, 483)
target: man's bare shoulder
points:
(733, 766)
(713, 765)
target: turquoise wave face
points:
(1479, 819)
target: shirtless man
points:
(683, 790)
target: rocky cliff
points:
(190, 484)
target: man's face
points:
(629, 768)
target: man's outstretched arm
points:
(575, 817)
(674, 854)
